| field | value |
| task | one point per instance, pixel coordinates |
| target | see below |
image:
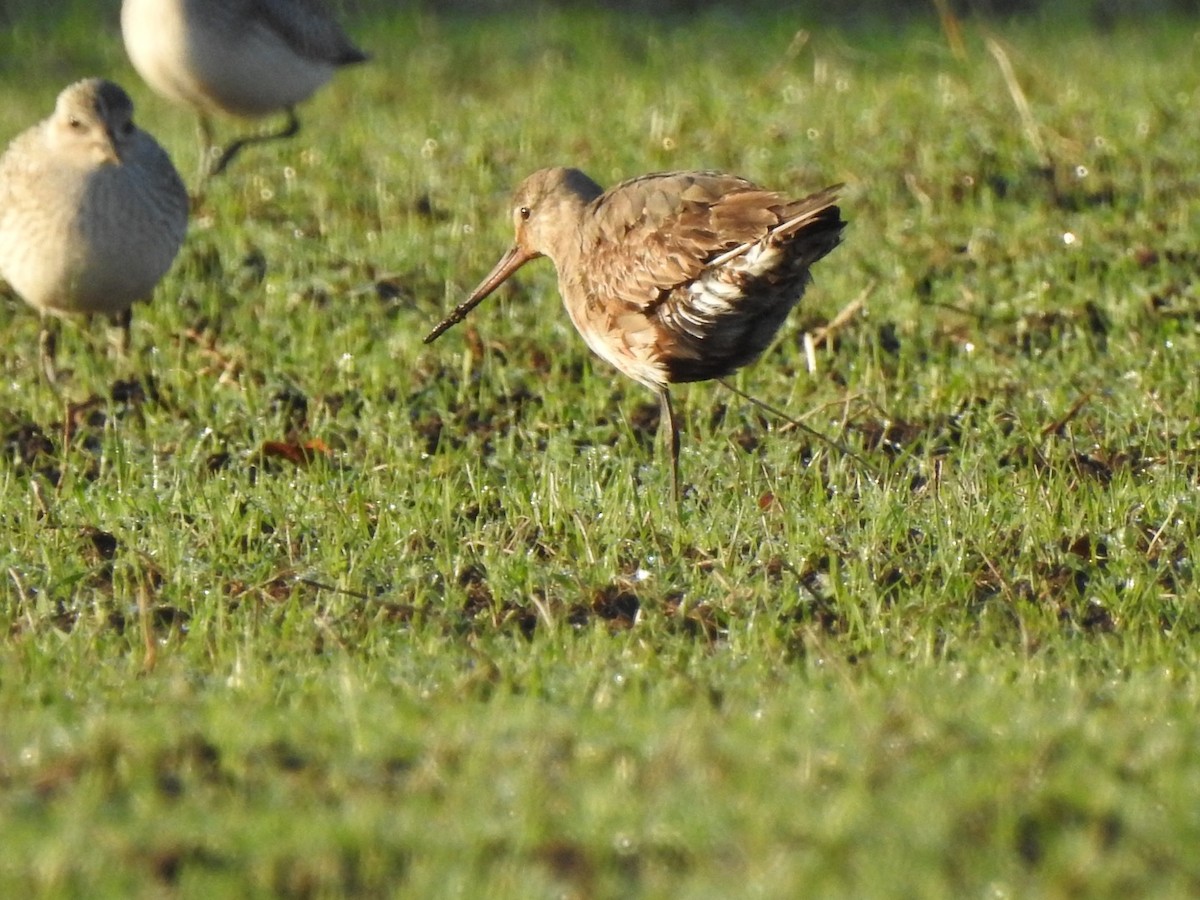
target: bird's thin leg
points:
(208, 148)
(670, 432)
(796, 423)
(122, 321)
(226, 157)
(47, 349)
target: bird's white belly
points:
(215, 64)
(97, 257)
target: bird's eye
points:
(524, 213)
(76, 123)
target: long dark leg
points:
(47, 348)
(226, 157)
(796, 423)
(670, 432)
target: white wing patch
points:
(719, 288)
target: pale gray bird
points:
(92, 212)
(246, 58)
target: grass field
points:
(296, 605)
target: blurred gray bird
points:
(245, 58)
(92, 212)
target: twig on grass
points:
(149, 643)
(1059, 424)
(320, 586)
(1028, 122)
(22, 596)
(951, 28)
(824, 334)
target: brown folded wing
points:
(678, 266)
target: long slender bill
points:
(509, 263)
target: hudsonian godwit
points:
(671, 278)
(92, 213)
(246, 58)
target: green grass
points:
(463, 645)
